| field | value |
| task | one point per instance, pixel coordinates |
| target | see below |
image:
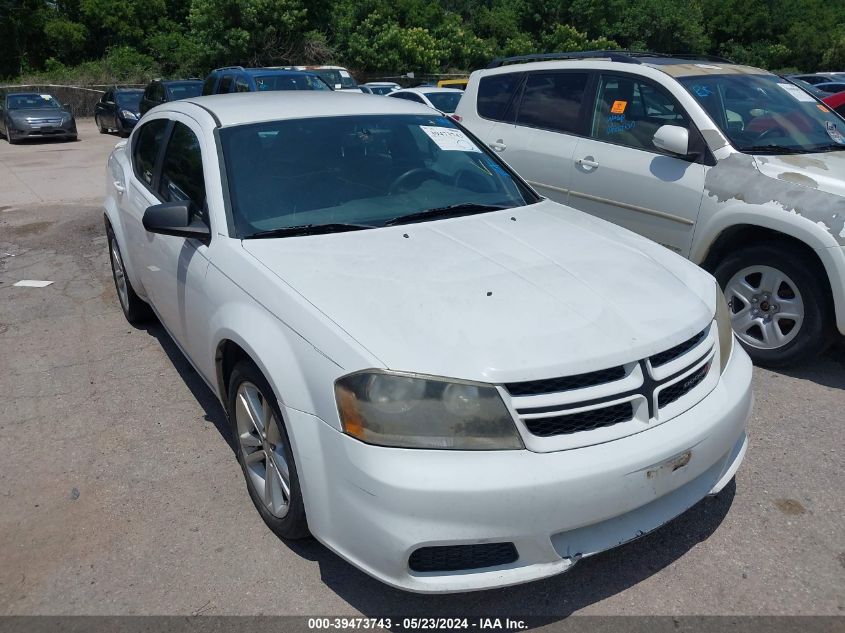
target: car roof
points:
(252, 107)
(129, 90)
(261, 71)
(28, 94)
(429, 89)
(180, 81)
(672, 65)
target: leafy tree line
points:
(130, 40)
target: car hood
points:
(37, 113)
(825, 172)
(542, 290)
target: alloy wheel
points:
(119, 275)
(766, 306)
(263, 449)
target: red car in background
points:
(836, 102)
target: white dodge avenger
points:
(451, 382)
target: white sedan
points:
(446, 379)
(444, 99)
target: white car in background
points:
(449, 381)
(731, 166)
(443, 99)
(382, 87)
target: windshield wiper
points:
(307, 229)
(832, 147)
(465, 208)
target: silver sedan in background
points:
(25, 115)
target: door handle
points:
(587, 161)
(498, 146)
(119, 187)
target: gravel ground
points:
(120, 493)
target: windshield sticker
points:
(616, 123)
(834, 133)
(822, 108)
(701, 91)
(796, 92)
(46, 97)
(449, 139)
(344, 73)
(619, 107)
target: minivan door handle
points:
(587, 161)
(498, 146)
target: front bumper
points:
(374, 506)
(23, 130)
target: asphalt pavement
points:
(120, 493)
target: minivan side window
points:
(225, 86)
(628, 111)
(208, 86)
(241, 84)
(181, 171)
(146, 149)
(495, 93)
(552, 101)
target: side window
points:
(159, 93)
(181, 172)
(109, 96)
(208, 86)
(225, 86)
(552, 101)
(146, 149)
(629, 111)
(495, 94)
(241, 84)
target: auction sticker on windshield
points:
(449, 139)
(796, 92)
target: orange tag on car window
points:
(619, 107)
(822, 108)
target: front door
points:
(619, 175)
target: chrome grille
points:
(42, 121)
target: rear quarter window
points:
(496, 94)
(553, 101)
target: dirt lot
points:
(120, 494)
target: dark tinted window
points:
(181, 171)
(225, 85)
(290, 81)
(147, 147)
(407, 96)
(184, 90)
(495, 94)
(445, 101)
(208, 86)
(241, 85)
(552, 101)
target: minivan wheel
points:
(134, 308)
(781, 310)
(264, 452)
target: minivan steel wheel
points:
(766, 307)
(263, 449)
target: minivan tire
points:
(816, 330)
(294, 524)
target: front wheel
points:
(134, 308)
(780, 308)
(264, 452)
(100, 127)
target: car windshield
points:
(358, 170)
(129, 99)
(335, 77)
(28, 102)
(767, 114)
(444, 101)
(289, 81)
(382, 90)
(184, 90)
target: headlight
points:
(723, 324)
(126, 114)
(410, 411)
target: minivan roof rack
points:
(230, 68)
(622, 56)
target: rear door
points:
(619, 175)
(553, 110)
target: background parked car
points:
(729, 165)
(26, 115)
(831, 87)
(819, 78)
(381, 87)
(336, 76)
(460, 84)
(238, 79)
(444, 99)
(836, 102)
(161, 91)
(118, 109)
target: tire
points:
(283, 513)
(135, 309)
(778, 281)
(11, 139)
(100, 127)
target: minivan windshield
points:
(360, 171)
(766, 114)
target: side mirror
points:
(177, 219)
(672, 138)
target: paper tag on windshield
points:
(796, 92)
(46, 97)
(343, 73)
(449, 139)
